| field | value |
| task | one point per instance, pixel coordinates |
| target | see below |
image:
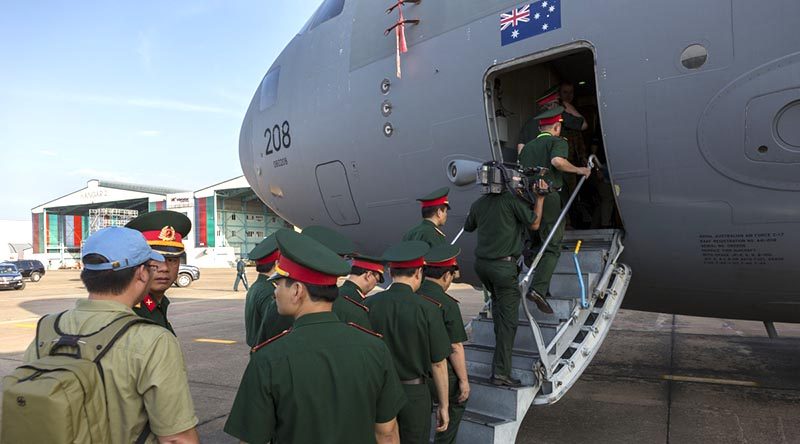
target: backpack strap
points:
(46, 333)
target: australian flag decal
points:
(529, 21)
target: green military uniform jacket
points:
(451, 312)
(541, 151)
(413, 329)
(274, 323)
(426, 231)
(504, 220)
(155, 311)
(299, 387)
(256, 305)
(350, 308)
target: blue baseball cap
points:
(123, 247)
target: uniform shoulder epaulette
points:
(454, 299)
(365, 330)
(270, 340)
(432, 300)
(361, 306)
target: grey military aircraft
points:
(695, 107)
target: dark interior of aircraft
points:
(515, 92)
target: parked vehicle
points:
(10, 277)
(30, 269)
(186, 275)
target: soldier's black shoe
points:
(507, 381)
(540, 301)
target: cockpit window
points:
(269, 89)
(326, 11)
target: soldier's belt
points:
(415, 381)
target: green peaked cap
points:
(550, 91)
(557, 111)
(164, 230)
(436, 194)
(441, 253)
(305, 254)
(266, 247)
(405, 252)
(340, 244)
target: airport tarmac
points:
(657, 379)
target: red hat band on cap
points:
(166, 236)
(549, 99)
(291, 269)
(416, 263)
(272, 257)
(435, 202)
(550, 120)
(447, 263)
(368, 265)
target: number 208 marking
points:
(278, 137)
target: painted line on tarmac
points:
(31, 325)
(19, 321)
(679, 378)
(215, 341)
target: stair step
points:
(479, 363)
(483, 334)
(480, 428)
(562, 310)
(487, 398)
(566, 286)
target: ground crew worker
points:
(346, 308)
(260, 296)
(366, 272)
(413, 329)
(164, 230)
(502, 221)
(241, 275)
(298, 386)
(550, 151)
(440, 270)
(434, 215)
(146, 387)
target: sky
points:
(147, 92)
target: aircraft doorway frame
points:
(539, 57)
(497, 70)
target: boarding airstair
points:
(550, 351)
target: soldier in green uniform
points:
(434, 215)
(440, 270)
(366, 272)
(164, 231)
(260, 315)
(298, 386)
(347, 309)
(550, 151)
(413, 329)
(502, 221)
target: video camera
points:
(495, 177)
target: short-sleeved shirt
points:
(157, 314)
(541, 151)
(256, 304)
(412, 328)
(145, 376)
(299, 388)
(502, 221)
(451, 312)
(351, 310)
(426, 231)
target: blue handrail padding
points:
(584, 302)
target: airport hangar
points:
(228, 219)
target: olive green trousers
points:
(500, 279)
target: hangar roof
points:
(98, 192)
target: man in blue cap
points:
(145, 385)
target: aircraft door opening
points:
(511, 94)
(334, 187)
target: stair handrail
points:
(525, 283)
